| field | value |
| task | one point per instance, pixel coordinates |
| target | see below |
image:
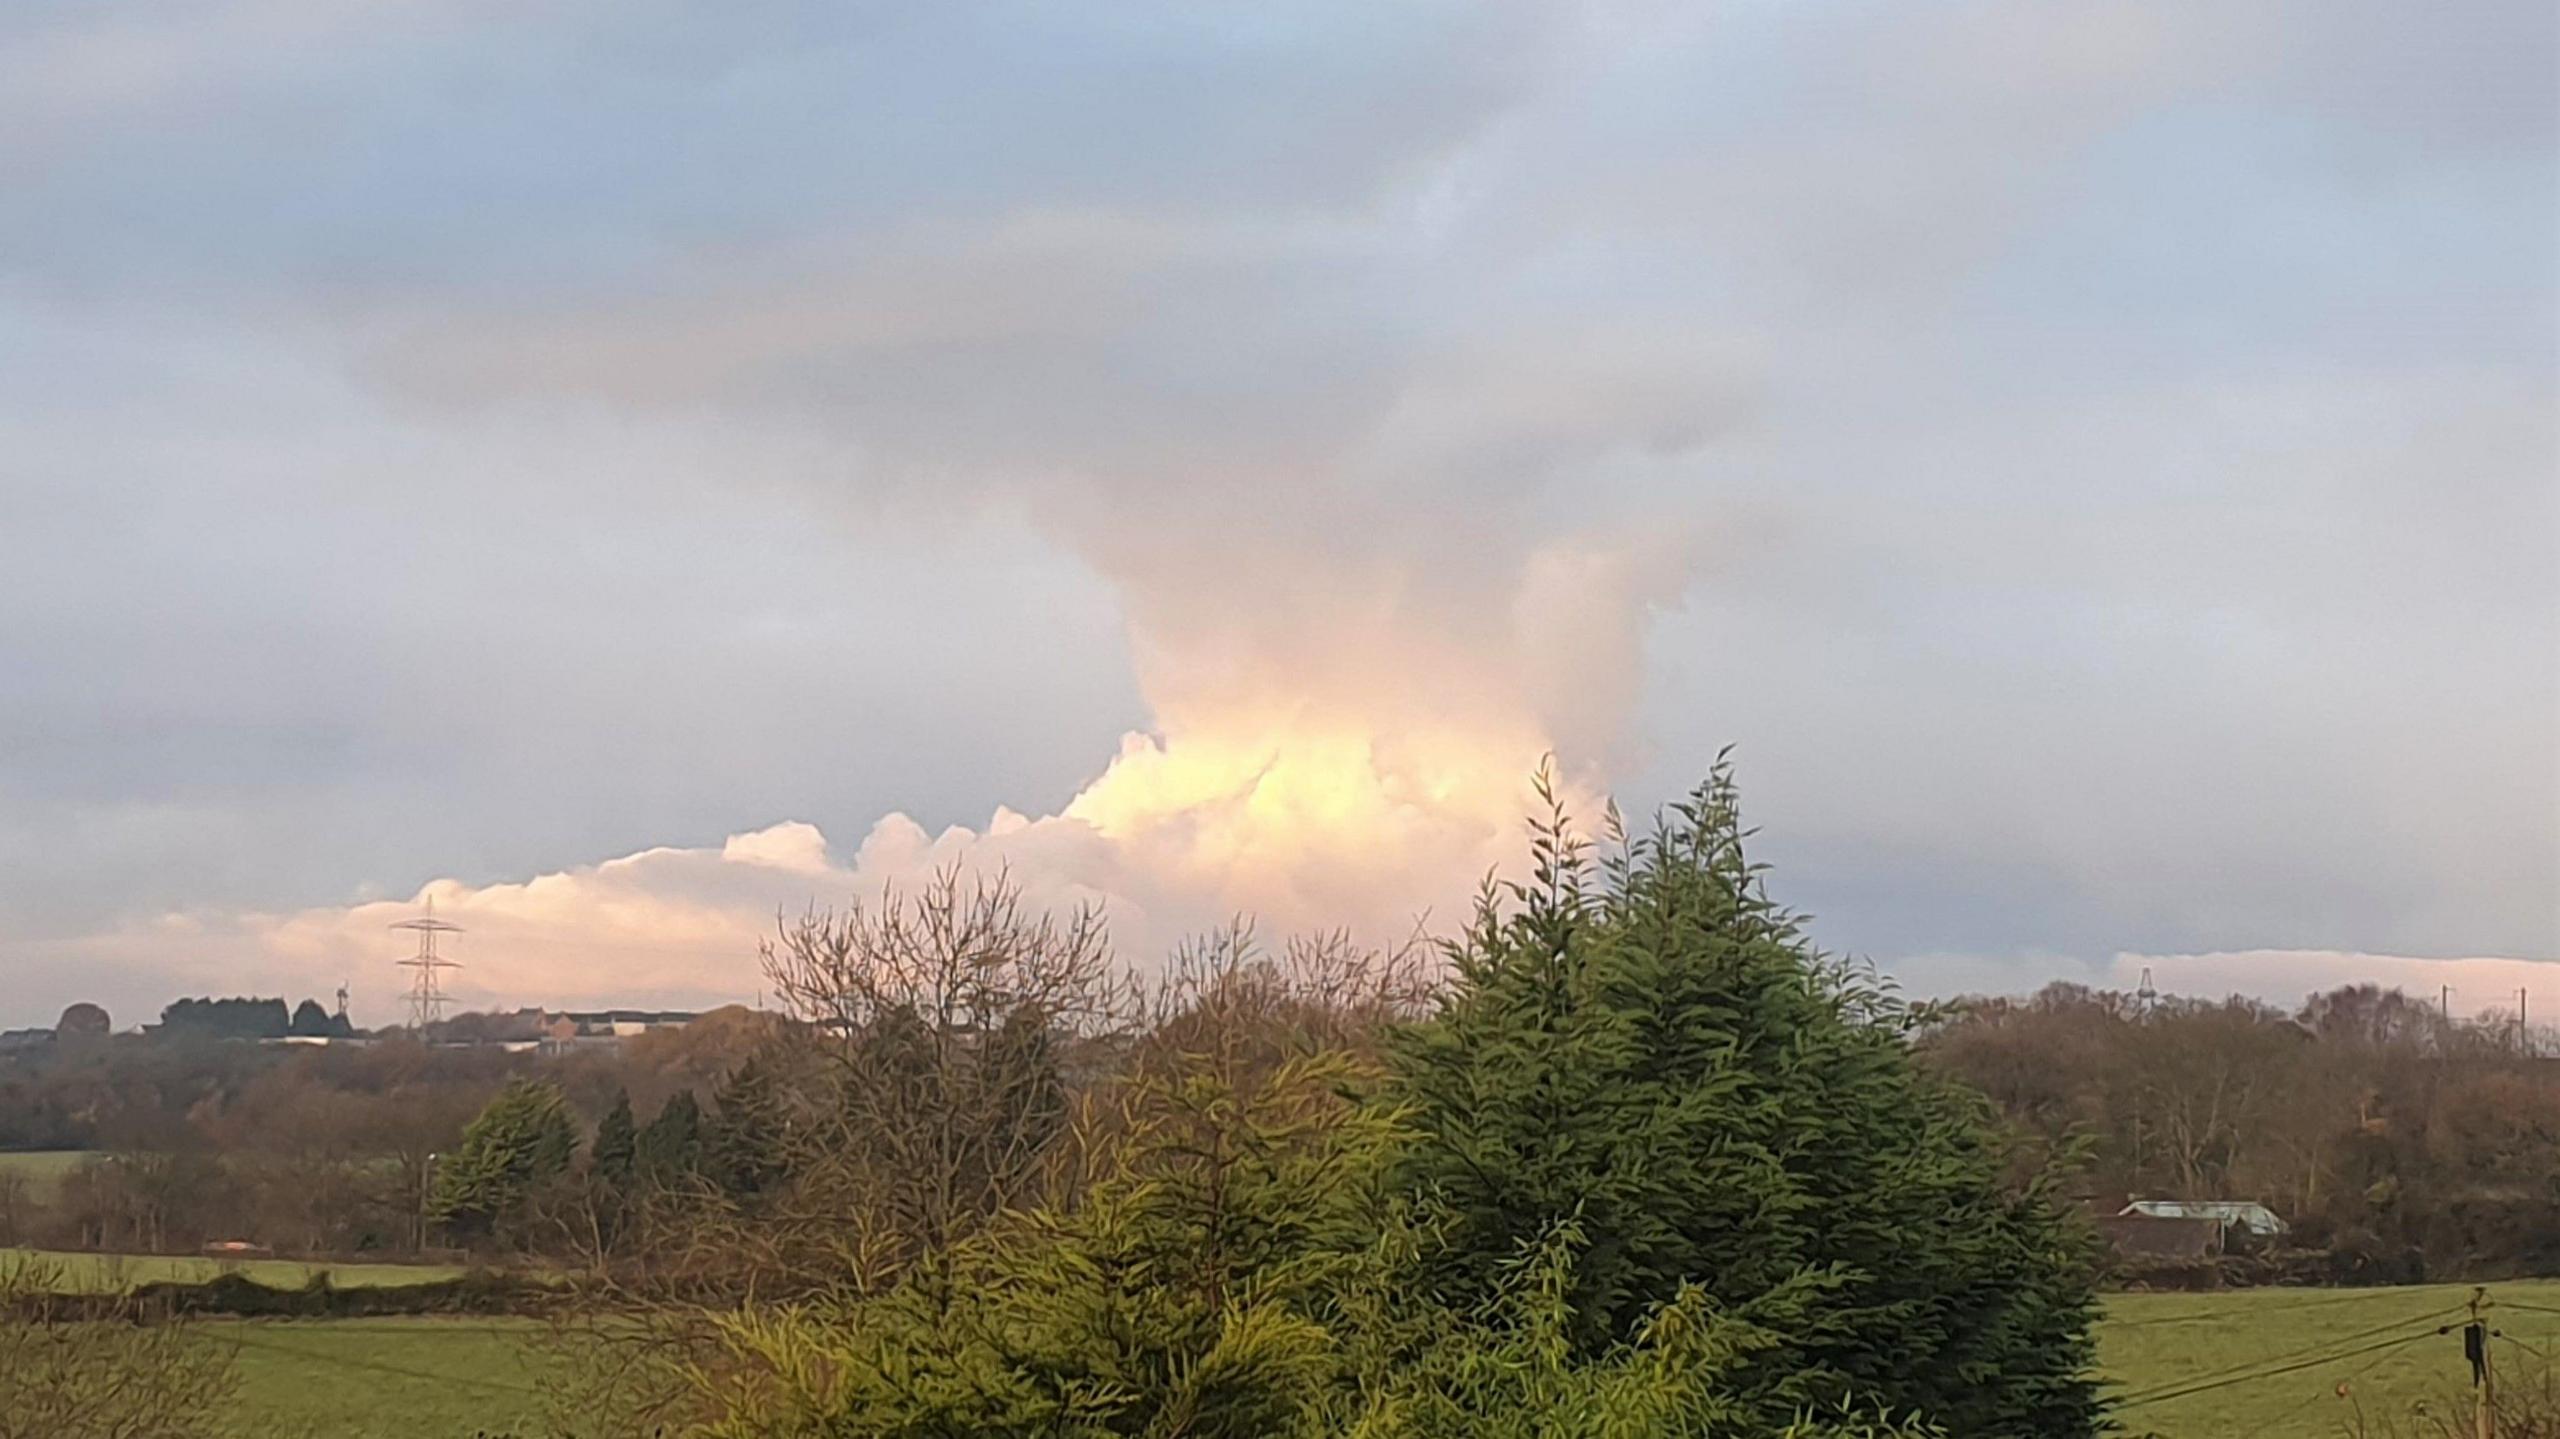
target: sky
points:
(627, 470)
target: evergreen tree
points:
(669, 1149)
(1651, 1051)
(310, 1020)
(611, 1155)
(524, 1138)
(612, 1161)
(750, 1128)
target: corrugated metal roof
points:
(2256, 1218)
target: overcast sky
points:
(2095, 462)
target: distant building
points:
(2151, 1229)
(2258, 1220)
(2144, 1236)
(24, 1038)
(578, 1029)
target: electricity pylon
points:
(426, 992)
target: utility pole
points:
(426, 1196)
(2475, 1347)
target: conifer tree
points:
(1650, 1050)
(670, 1149)
(615, 1148)
(749, 1131)
(522, 1139)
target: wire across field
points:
(2298, 1363)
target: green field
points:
(76, 1273)
(389, 1378)
(2376, 1344)
(452, 1378)
(42, 1169)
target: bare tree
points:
(1223, 997)
(956, 1018)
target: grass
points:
(76, 1273)
(2159, 1343)
(425, 1378)
(42, 1169)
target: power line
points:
(2349, 1378)
(2282, 1369)
(2324, 1344)
(2283, 1364)
(2230, 1315)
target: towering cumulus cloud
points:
(1324, 758)
(1352, 675)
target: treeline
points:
(1627, 1158)
(2411, 1144)
(322, 1151)
(250, 1019)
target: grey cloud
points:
(2096, 460)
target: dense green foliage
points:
(615, 1149)
(1242, 1274)
(670, 1148)
(1648, 1049)
(750, 1132)
(525, 1138)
